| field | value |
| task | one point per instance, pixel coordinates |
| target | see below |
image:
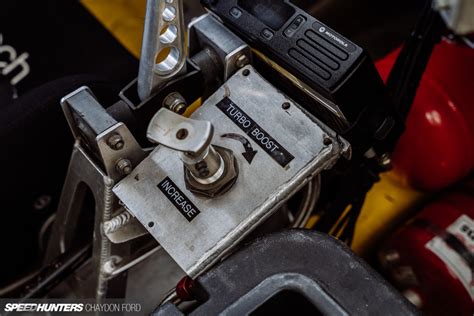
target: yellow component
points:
(312, 221)
(123, 18)
(346, 222)
(343, 216)
(193, 107)
(386, 206)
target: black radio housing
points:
(339, 81)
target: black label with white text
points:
(178, 199)
(255, 132)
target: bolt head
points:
(242, 61)
(115, 142)
(124, 166)
(386, 161)
(175, 102)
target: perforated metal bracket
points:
(163, 48)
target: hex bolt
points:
(386, 161)
(124, 166)
(115, 142)
(175, 102)
(242, 61)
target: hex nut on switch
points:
(222, 185)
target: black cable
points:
(411, 63)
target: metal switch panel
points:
(278, 147)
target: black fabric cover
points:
(67, 48)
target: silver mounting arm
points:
(163, 53)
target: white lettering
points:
(166, 185)
(13, 62)
(337, 39)
(264, 140)
(238, 116)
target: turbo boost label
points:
(255, 132)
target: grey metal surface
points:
(97, 163)
(232, 51)
(458, 15)
(163, 36)
(83, 112)
(263, 184)
(83, 175)
(130, 151)
(90, 123)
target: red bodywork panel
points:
(437, 148)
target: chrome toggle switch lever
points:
(209, 170)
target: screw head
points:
(115, 142)
(286, 105)
(242, 61)
(386, 161)
(124, 166)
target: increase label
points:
(255, 132)
(178, 199)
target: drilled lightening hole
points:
(168, 34)
(167, 60)
(169, 14)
